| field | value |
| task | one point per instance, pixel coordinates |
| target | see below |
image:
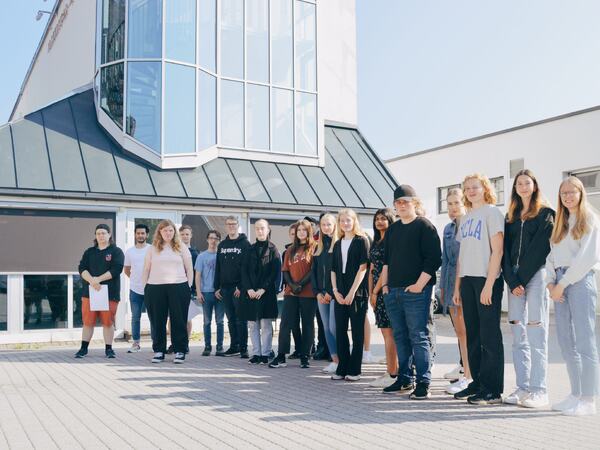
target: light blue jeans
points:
(137, 308)
(210, 303)
(575, 330)
(528, 316)
(261, 335)
(328, 319)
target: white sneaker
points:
(455, 374)
(536, 400)
(517, 397)
(583, 408)
(331, 368)
(368, 358)
(352, 377)
(383, 381)
(458, 386)
(158, 357)
(568, 403)
(135, 348)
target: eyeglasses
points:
(231, 224)
(564, 194)
(212, 238)
(403, 202)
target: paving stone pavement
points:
(50, 400)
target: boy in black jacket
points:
(228, 277)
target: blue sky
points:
(430, 72)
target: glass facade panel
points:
(111, 92)
(143, 103)
(180, 109)
(201, 225)
(67, 165)
(273, 182)
(3, 302)
(207, 111)
(232, 113)
(342, 186)
(221, 180)
(112, 34)
(282, 120)
(7, 165)
(180, 30)
(45, 301)
(282, 42)
(134, 177)
(257, 117)
(249, 183)
(325, 191)
(167, 184)
(144, 29)
(299, 185)
(306, 54)
(391, 182)
(207, 34)
(196, 184)
(33, 166)
(306, 123)
(232, 38)
(257, 40)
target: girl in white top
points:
(167, 277)
(570, 266)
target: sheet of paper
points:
(194, 309)
(99, 299)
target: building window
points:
(590, 180)
(498, 184)
(45, 298)
(442, 194)
(254, 85)
(516, 165)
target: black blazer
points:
(321, 271)
(358, 254)
(260, 270)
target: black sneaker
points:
(158, 357)
(485, 398)
(207, 350)
(255, 360)
(219, 351)
(170, 350)
(421, 392)
(82, 353)
(244, 354)
(398, 387)
(294, 355)
(179, 358)
(264, 360)
(466, 393)
(110, 353)
(232, 351)
(304, 364)
(278, 361)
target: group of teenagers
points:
(338, 270)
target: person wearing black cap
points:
(100, 265)
(412, 255)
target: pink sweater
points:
(167, 266)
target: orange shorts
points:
(107, 318)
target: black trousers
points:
(350, 363)
(238, 328)
(484, 337)
(172, 301)
(295, 308)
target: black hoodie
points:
(230, 254)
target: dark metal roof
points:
(62, 152)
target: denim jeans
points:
(261, 335)
(409, 314)
(238, 329)
(137, 308)
(528, 316)
(575, 330)
(328, 319)
(211, 303)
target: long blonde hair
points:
(561, 225)
(334, 236)
(356, 228)
(489, 193)
(159, 243)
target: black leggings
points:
(172, 301)
(293, 308)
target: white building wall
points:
(65, 59)
(550, 150)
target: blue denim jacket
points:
(450, 250)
